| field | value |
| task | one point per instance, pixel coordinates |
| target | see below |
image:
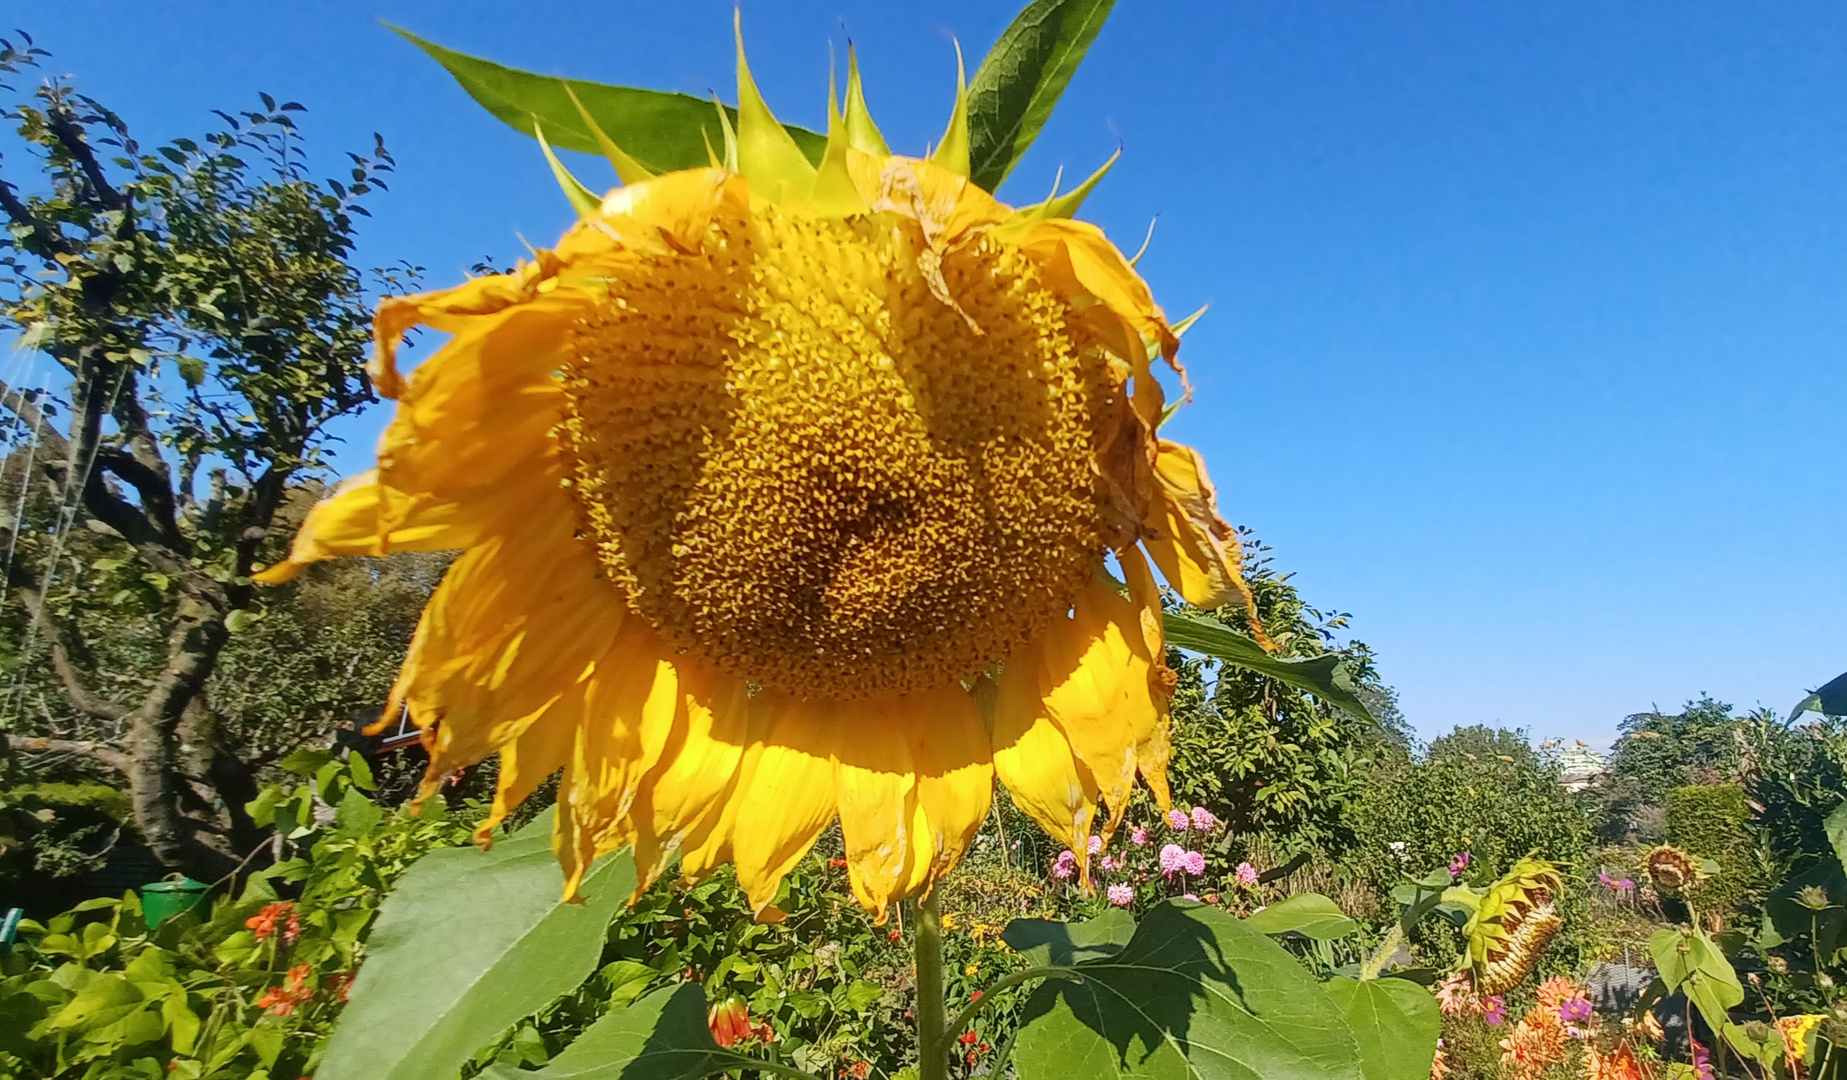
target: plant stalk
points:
(932, 1055)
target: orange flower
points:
(1557, 990)
(264, 922)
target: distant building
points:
(1579, 766)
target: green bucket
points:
(162, 900)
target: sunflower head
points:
(791, 491)
(1512, 925)
(1670, 870)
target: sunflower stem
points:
(932, 1055)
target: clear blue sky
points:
(1528, 320)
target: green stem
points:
(932, 1053)
(1377, 961)
(972, 1009)
(721, 1062)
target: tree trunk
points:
(156, 782)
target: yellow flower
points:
(1795, 1032)
(972, 970)
(784, 493)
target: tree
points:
(1658, 752)
(1263, 756)
(201, 304)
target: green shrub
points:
(1712, 821)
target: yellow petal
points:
(862, 133)
(785, 796)
(1198, 551)
(1155, 750)
(538, 752)
(628, 170)
(876, 784)
(1097, 671)
(347, 523)
(951, 752)
(518, 621)
(681, 801)
(1034, 759)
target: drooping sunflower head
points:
(789, 490)
(1513, 923)
(1669, 869)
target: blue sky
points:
(1528, 321)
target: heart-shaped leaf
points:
(1195, 995)
(1309, 914)
(1042, 942)
(466, 944)
(1395, 1022)
(662, 1036)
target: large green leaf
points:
(1042, 942)
(1691, 962)
(1830, 700)
(661, 130)
(1021, 78)
(466, 944)
(1196, 995)
(662, 1036)
(1309, 914)
(1395, 1022)
(1326, 677)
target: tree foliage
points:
(205, 323)
(1659, 752)
(1265, 757)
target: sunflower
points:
(787, 493)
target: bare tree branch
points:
(100, 752)
(67, 646)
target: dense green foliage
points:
(1659, 752)
(1713, 822)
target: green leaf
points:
(356, 813)
(662, 1036)
(1309, 914)
(1326, 677)
(1692, 963)
(1042, 942)
(1395, 1022)
(466, 944)
(238, 620)
(1836, 826)
(1830, 700)
(626, 980)
(1021, 78)
(305, 761)
(661, 131)
(1195, 995)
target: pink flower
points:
(1138, 836)
(1458, 864)
(1246, 875)
(1122, 894)
(1065, 865)
(1189, 896)
(1173, 858)
(1494, 1010)
(1574, 1009)
(1096, 844)
(1178, 819)
(1109, 863)
(1203, 821)
(1194, 863)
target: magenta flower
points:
(1702, 1060)
(1173, 859)
(1096, 844)
(1109, 863)
(1065, 865)
(1615, 884)
(1193, 863)
(1178, 819)
(1246, 875)
(1573, 1010)
(1458, 864)
(1138, 835)
(1203, 821)
(1122, 894)
(1493, 1010)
